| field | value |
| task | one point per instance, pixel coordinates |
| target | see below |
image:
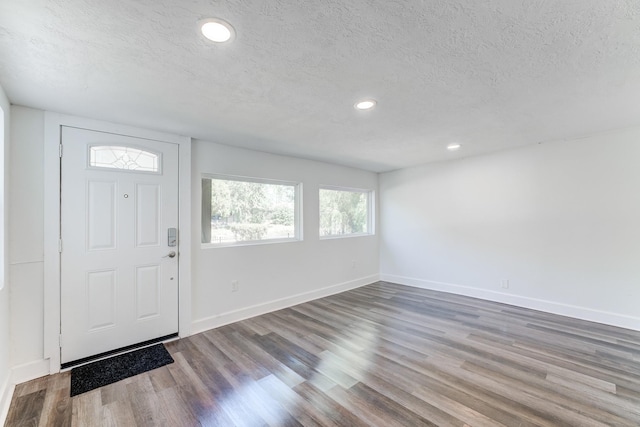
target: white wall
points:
(5, 342)
(26, 235)
(275, 275)
(558, 220)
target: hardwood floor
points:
(381, 355)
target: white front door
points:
(119, 208)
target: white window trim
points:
(297, 214)
(248, 243)
(371, 217)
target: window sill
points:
(346, 236)
(247, 243)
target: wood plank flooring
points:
(380, 355)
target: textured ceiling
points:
(489, 74)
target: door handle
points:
(171, 254)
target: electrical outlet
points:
(504, 283)
(235, 286)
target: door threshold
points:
(67, 365)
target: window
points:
(248, 210)
(345, 212)
(127, 158)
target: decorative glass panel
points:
(128, 158)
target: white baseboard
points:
(6, 393)
(583, 313)
(29, 371)
(212, 322)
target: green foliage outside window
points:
(343, 212)
(249, 211)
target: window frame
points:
(297, 215)
(371, 229)
(105, 168)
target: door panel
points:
(101, 291)
(119, 196)
(101, 215)
(147, 291)
(147, 215)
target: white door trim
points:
(52, 130)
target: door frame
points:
(53, 123)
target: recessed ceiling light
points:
(217, 30)
(365, 104)
(453, 147)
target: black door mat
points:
(108, 371)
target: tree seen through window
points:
(250, 211)
(343, 212)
